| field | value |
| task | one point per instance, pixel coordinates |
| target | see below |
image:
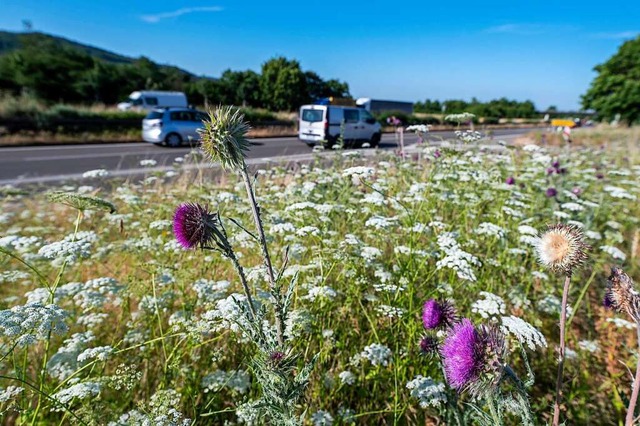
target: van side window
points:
(181, 116)
(365, 115)
(152, 101)
(351, 115)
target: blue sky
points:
(402, 50)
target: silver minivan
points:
(172, 126)
(323, 124)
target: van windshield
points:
(312, 115)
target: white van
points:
(320, 124)
(146, 100)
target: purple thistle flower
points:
(437, 154)
(437, 314)
(461, 357)
(599, 176)
(556, 165)
(551, 192)
(473, 358)
(551, 170)
(193, 225)
(510, 180)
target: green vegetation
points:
(615, 92)
(55, 70)
(499, 108)
(106, 319)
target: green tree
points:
(283, 85)
(49, 71)
(616, 88)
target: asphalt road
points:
(42, 164)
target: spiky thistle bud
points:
(562, 248)
(224, 137)
(473, 358)
(429, 345)
(438, 314)
(194, 225)
(621, 296)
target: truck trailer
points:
(377, 106)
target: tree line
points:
(57, 73)
(499, 108)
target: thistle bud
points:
(224, 138)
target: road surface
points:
(42, 164)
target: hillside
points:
(10, 41)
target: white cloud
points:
(616, 35)
(160, 16)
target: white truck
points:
(146, 100)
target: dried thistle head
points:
(621, 296)
(562, 248)
(224, 137)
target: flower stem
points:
(634, 394)
(265, 254)
(245, 286)
(563, 320)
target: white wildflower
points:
(588, 345)
(358, 171)
(427, 391)
(95, 173)
(9, 393)
(148, 162)
(614, 252)
(322, 418)
(490, 306)
(377, 354)
(322, 292)
(487, 228)
(622, 323)
(524, 332)
(347, 377)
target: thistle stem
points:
(563, 320)
(634, 394)
(265, 254)
(243, 279)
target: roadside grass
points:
(155, 334)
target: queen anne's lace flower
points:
(28, 323)
(427, 391)
(490, 306)
(524, 332)
(377, 354)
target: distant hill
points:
(10, 41)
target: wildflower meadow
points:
(468, 283)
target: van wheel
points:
(375, 140)
(173, 140)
